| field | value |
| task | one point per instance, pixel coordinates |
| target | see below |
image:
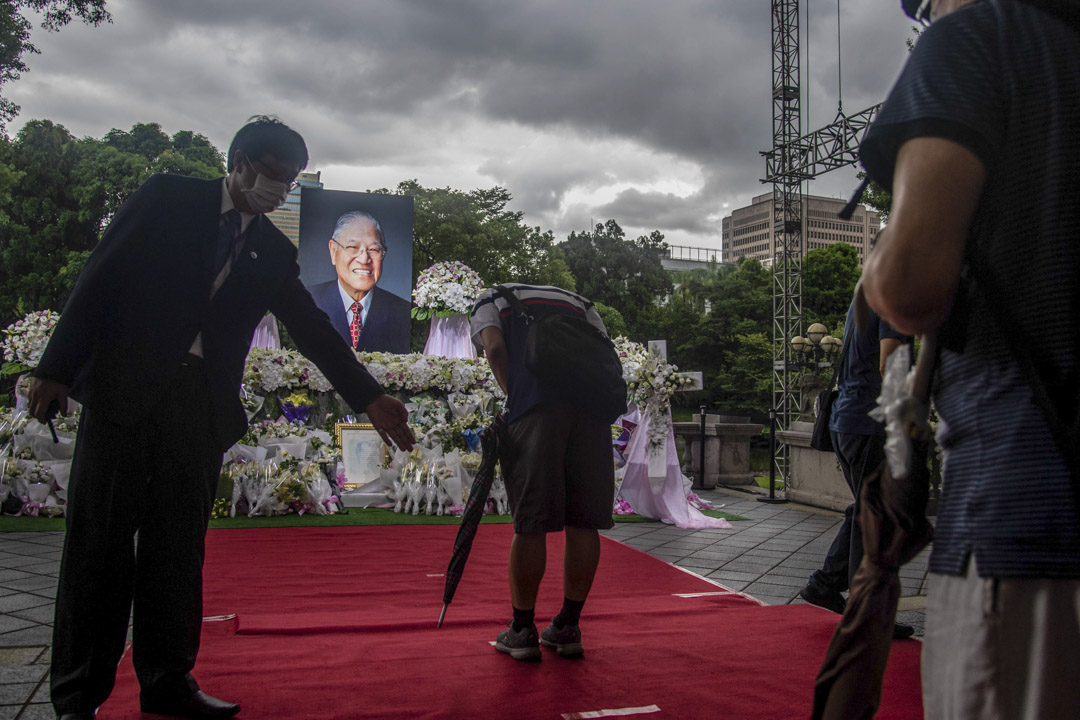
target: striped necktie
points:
(356, 325)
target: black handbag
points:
(567, 352)
(821, 438)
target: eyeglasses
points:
(373, 252)
(276, 177)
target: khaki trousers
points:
(1001, 648)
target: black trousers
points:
(859, 455)
(139, 500)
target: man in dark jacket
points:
(152, 342)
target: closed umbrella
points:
(895, 529)
(490, 440)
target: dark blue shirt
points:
(859, 376)
(1000, 78)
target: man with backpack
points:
(556, 456)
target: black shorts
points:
(559, 470)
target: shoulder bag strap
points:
(516, 306)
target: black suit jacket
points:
(144, 294)
(386, 328)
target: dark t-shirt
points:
(1000, 78)
(859, 376)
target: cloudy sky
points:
(649, 112)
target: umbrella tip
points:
(441, 616)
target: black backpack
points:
(567, 352)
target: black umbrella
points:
(474, 508)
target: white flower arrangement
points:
(274, 429)
(415, 373)
(445, 288)
(271, 370)
(650, 382)
(25, 340)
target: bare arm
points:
(912, 275)
(887, 347)
(497, 356)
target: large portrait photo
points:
(356, 261)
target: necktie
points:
(228, 235)
(356, 326)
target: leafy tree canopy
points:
(58, 192)
(15, 35)
(625, 274)
(829, 276)
(477, 229)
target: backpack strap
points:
(516, 306)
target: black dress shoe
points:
(830, 600)
(902, 632)
(196, 705)
(78, 716)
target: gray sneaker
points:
(566, 641)
(519, 644)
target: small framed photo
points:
(363, 452)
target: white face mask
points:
(266, 195)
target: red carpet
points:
(340, 623)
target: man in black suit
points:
(152, 342)
(368, 317)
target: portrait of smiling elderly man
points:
(368, 317)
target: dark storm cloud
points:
(617, 92)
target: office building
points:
(287, 216)
(748, 231)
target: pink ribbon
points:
(29, 508)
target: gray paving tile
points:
(800, 563)
(10, 656)
(8, 712)
(786, 581)
(698, 563)
(747, 567)
(49, 567)
(684, 545)
(41, 711)
(42, 615)
(16, 693)
(32, 582)
(9, 561)
(9, 576)
(9, 623)
(765, 554)
(20, 601)
(23, 674)
(35, 635)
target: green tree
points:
(613, 319)
(15, 35)
(112, 168)
(625, 274)
(48, 233)
(58, 193)
(477, 229)
(828, 282)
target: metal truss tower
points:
(793, 160)
(787, 213)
